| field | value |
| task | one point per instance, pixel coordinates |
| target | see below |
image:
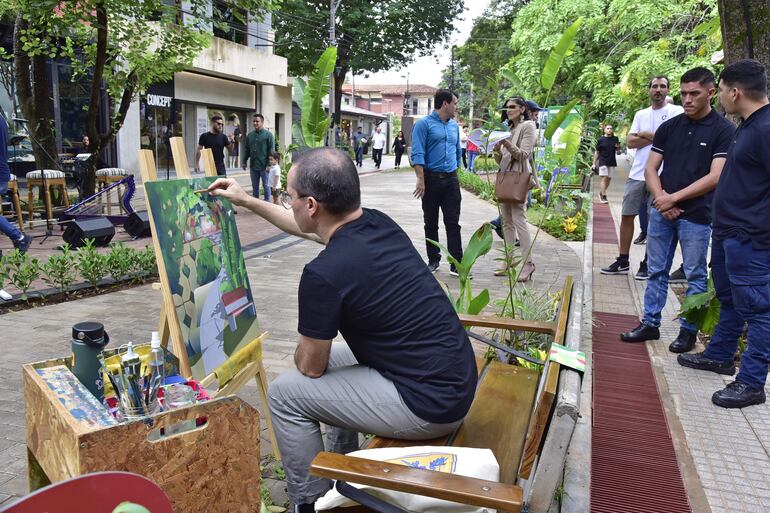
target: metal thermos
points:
(88, 341)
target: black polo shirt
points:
(606, 147)
(742, 198)
(688, 146)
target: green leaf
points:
(478, 303)
(315, 122)
(570, 138)
(560, 51)
(559, 118)
(479, 245)
(452, 260)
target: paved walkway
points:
(275, 262)
(724, 455)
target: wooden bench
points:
(511, 415)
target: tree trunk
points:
(34, 92)
(745, 30)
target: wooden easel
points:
(168, 324)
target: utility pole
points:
(452, 78)
(470, 113)
(333, 4)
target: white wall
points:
(128, 141)
(213, 91)
(277, 100)
(228, 59)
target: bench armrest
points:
(507, 323)
(439, 485)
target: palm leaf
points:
(298, 90)
(479, 302)
(570, 138)
(560, 51)
(479, 244)
(314, 119)
(559, 118)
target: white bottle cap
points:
(130, 354)
(155, 342)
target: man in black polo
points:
(217, 142)
(740, 252)
(693, 148)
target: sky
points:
(427, 70)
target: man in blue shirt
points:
(19, 240)
(740, 251)
(436, 154)
(358, 146)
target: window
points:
(415, 105)
(430, 104)
(229, 24)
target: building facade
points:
(400, 100)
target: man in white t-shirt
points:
(378, 143)
(646, 122)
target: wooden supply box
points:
(214, 467)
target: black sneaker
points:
(684, 342)
(701, 362)
(23, 243)
(678, 276)
(641, 333)
(641, 274)
(738, 395)
(641, 239)
(603, 198)
(497, 224)
(433, 267)
(619, 266)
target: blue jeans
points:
(472, 160)
(360, 155)
(742, 282)
(264, 175)
(662, 236)
(6, 226)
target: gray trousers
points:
(348, 398)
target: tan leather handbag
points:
(515, 181)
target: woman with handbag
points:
(515, 179)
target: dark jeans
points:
(399, 154)
(465, 162)
(742, 282)
(644, 211)
(377, 156)
(442, 191)
(360, 155)
(221, 169)
(256, 176)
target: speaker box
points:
(99, 228)
(138, 224)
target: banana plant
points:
(702, 309)
(311, 131)
(479, 245)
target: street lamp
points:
(406, 95)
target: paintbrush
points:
(200, 191)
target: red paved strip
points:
(633, 462)
(604, 226)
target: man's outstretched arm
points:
(274, 214)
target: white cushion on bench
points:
(49, 173)
(111, 171)
(463, 461)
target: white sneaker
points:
(5, 296)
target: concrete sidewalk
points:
(275, 262)
(724, 455)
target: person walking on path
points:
(464, 144)
(235, 136)
(516, 155)
(692, 150)
(646, 122)
(19, 240)
(607, 147)
(399, 147)
(406, 368)
(740, 252)
(216, 141)
(358, 146)
(259, 145)
(378, 144)
(435, 157)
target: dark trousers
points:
(399, 154)
(377, 156)
(465, 162)
(644, 211)
(442, 191)
(742, 281)
(221, 169)
(360, 155)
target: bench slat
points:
(500, 414)
(465, 490)
(539, 420)
(506, 323)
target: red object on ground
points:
(633, 462)
(100, 492)
(604, 226)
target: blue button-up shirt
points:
(436, 144)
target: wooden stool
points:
(106, 177)
(13, 191)
(53, 178)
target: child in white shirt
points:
(275, 176)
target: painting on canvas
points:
(205, 269)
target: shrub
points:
(118, 261)
(59, 270)
(91, 264)
(21, 270)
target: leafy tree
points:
(745, 27)
(372, 35)
(462, 86)
(116, 46)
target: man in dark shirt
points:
(358, 146)
(217, 142)
(406, 369)
(692, 148)
(260, 143)
(604, 159)
(740, 252)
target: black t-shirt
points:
(607, 146)
(217, 143)
(742, 197)
(688, 147)
(371, 285)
